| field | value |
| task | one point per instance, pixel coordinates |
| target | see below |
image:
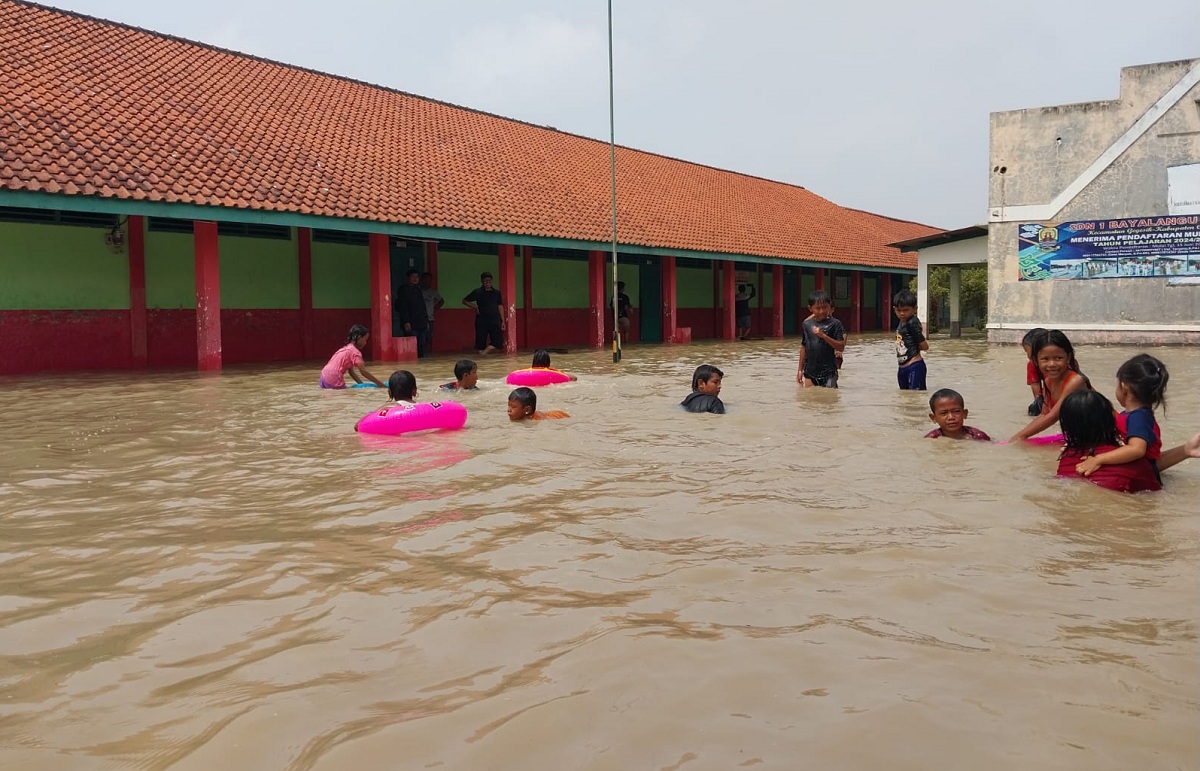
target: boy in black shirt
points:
(821, 338)
(487, 303)
(706, 385)
(910, 341)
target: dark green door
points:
(790, 300)
(650, 301)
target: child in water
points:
(1089, 428)
(822, 337)
(348, 359)
(1031, 371)
(466, 375)
(402, 389)
(541, 360)
(1058, 375)
(706, 390)
(910, 342)
(1141, 386)
(949, 411)
(522, 405)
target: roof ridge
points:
(391, 89)
(893, 219)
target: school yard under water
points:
(205, 571)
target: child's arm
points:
(1134, 449)
(1189, 449)
(1042, 422)
(361, 370)
(800, 367)
(834, 343)
(1036, 387)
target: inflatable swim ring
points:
(537, 376)
(403, 418)
(367, 384)
(1047, 439)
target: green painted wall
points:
(170, 270)
(341, 276)
(559, 283)
(694, 287)
(60, 267)
(259, 272)
(870, 292)
(628, 270)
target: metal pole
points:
(612, 156)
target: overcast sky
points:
(877, 104)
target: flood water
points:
(216, 572)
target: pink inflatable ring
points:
(403, 418)
(537, 376)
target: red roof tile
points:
(95, 106)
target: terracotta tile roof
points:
(102, 109)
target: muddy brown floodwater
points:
(215, 572)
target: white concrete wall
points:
(1037, 154)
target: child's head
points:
(1053, 354)
(621, 286)
(948, 410)
(1145, 379)
(904, 305)
(1027, 340)
(402, 386)
(707, 380)
(1087, 421)
(485, 278)
(522, 403)
(541, 358)
(358, 335)
(413, 276)
(819, 304)
(426, 280)
(466, 372)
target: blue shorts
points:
(911, 377)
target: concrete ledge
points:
(1103, 334)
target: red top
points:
(1031, 373)
(1134, 477)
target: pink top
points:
(334, 374)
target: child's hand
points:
(1086, 466)
(1192, 446)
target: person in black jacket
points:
(411, 311)
(706, 385)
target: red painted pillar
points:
(304, 255)
(431, 260)
(137, 291)
(596, 299)
(818, 279)
(670, 302)
(885, 301)
(716, 307)
(729, 291)
(383, 347)
(508, 288)
(776, 301)
(527, 285)
(856, 301)
(208, 296)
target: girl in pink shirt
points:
(348, 358)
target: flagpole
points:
(612, 156)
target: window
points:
(55, 217)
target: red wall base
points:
(37, 341)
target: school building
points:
(170, 204)
(1094, 214)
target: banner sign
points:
(1137, 247)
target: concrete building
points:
(1094, 214)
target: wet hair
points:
(818, 296)
(526, 396)
(1087, 421)
(945, 393)
(1146, 378)
(1059, 340)
(1031, 335)
(357, 331)
(620, 285)
(904, 299)
(703, 374)
(541, 358)
(464, 367)
(402, 386)
(484, 275)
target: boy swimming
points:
(949, 411)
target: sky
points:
(879, 105)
